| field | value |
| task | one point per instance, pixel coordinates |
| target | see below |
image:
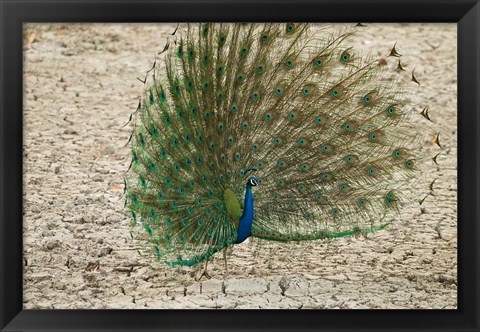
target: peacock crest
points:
(276, 131)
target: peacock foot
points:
(203, 273)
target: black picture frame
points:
(466, 13)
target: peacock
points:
(281, 132)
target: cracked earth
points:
(80, 85)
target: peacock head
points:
(252, 182)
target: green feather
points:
(329, 133)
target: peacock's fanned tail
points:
(329, 133)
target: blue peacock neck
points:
(246, 220)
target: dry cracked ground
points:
(80, 88)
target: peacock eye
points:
(391, 110)
(345, 56)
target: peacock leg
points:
(225, 259)
(203, 273)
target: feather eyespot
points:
(326, 176)
(346, 56)
(391, 110)
(304, 167)
(244, 51)
(221, 40)
(205, 31)
(373, 136)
